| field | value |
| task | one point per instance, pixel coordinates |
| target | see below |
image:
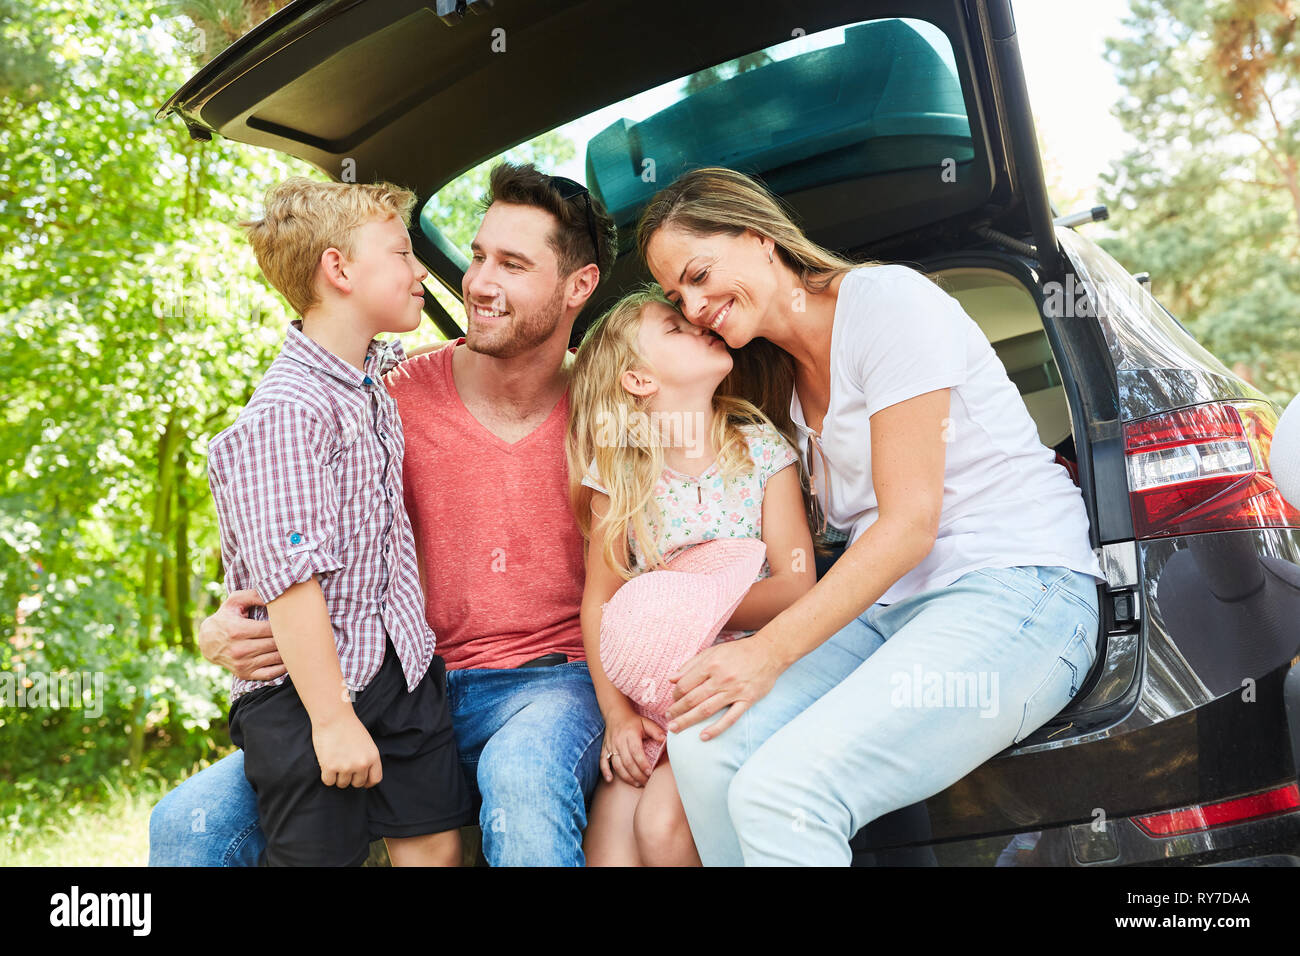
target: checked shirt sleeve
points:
(277, 496)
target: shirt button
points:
(295, 538)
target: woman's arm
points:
(601, 584)
(907, 467)
(789, 554)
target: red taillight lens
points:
(1204, 468)
(1283, 799)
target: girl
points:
(658, 462)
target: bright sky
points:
(1071, 86)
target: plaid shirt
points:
(308, 481)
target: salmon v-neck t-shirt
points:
(500, 553)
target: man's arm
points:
(240, 644)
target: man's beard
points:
(523, 333)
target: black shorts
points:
(310, 824)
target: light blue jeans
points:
(901, 703)
(529, 741)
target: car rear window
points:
(873, 97)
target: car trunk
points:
(418, 93)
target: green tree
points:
(1209, 202)
(134, 326)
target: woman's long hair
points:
(713, 200)
(609, 424)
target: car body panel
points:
(1158, 365)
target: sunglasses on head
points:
(568, 189)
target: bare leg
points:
(662, 834)
(609, 840)
(430, 849)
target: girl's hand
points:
(736, 675)
(624, 731)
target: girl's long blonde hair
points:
(609, 424)
(713, 200)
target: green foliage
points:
(133, 326)
(1209, 202)
(26, 69)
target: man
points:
(485, 484)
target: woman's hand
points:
(624, 730)
(736, 675)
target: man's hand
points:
(347, 753)
(241, 645)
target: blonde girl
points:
(661, 459)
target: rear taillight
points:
(1284, 799)
(1204, 468)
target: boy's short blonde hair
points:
(303, 218)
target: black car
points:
(896, 131)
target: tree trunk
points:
(184, 603)
(135, 750)
(158, 531)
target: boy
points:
(355, 742)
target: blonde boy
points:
(355, 742)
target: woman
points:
(962, 615)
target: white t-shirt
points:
(1006, 502)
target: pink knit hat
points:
(660, 619)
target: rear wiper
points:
(452, 12)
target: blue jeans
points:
(899, 704)
(529, 742)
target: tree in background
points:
(219, 23)
(1209, 203)
(134, 324)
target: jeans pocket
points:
(1022, 580)
(1062, 682)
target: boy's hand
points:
(238, 643)
(348, 756)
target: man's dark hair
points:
(525, 185)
